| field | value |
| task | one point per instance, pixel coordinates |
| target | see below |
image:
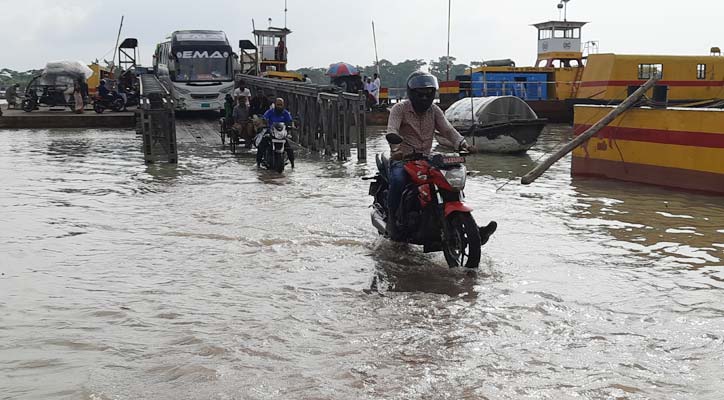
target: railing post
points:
(361, 131)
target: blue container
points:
(526, 85)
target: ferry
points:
(547, 87)
(676, 147)
(569, 71)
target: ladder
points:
(576, 84)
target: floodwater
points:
(213, 280)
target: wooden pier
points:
(48, 119)
(329, 121)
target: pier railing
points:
(329, 121)
(156, 121)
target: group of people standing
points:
(372, 88)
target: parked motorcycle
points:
(431, 213)
(275, 152)
(100, 104)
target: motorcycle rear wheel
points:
(462, 246)
(98, 108)
(117, 105)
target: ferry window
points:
(701, 71)
(573, 33)
(544, 34)
(559, 33)
(646, 71)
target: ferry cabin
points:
(545, 86)
(685, 79)
(272, 54)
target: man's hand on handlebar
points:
(465, 147)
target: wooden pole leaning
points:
(536, 172)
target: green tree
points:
(394, 75)
(439, 68)
(9, 77)
(317, 75)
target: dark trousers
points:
(398, 180)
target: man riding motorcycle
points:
(273, 116)
(415, 120)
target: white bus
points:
(199, 66)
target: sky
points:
(33, 32)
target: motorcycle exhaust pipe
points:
(378, 222)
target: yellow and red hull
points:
(675, 147)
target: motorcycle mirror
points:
(393, 138)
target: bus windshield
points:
(203, 65)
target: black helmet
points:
(421, 90)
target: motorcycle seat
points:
(383, 165)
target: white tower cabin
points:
(559, 44)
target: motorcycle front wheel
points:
(278, 162)
(462, 246)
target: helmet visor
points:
(423, 81)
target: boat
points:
(500, 124)
(547, 87)
(676, 147)
(569, 72)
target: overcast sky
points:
(33, 32)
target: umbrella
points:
(342, 69)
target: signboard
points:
(201, 37)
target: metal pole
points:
(256, 52)
(285, 14)
(447, 59)
(472, 105)
(115, 49)
(374, 38)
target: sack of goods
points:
(75, 69)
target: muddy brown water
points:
(212, 280)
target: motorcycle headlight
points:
(456, 177)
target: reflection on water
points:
(213, 279)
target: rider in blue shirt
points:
(278, 114)
(272, 116)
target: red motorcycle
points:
(431, 213)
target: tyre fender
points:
(455, 206)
